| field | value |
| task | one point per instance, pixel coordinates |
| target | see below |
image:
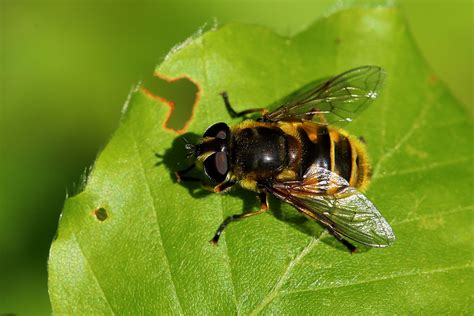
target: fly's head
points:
(213, 152)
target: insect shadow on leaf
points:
(175, 158)
(291, 217)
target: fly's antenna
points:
(190, 147)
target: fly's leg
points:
(263, 208)
(348, 245)
(181, 175)
(322, 118)
(233, 113)
(160, 161)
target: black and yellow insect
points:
(297, 154)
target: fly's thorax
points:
(258, 151)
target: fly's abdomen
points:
(349, 158)
(335, 150)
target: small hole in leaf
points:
(101, 214)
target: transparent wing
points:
(335, 101)
(326, 197)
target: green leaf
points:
(135, 242)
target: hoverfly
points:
(297, 154)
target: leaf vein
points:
(148, 189)
(90, 268)
(434, 165)
(419, 218)
(226, 250)
(417, 123)
(284, 277)
(385, 105)
(385, 278)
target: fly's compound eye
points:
(216, 166)
(218, 130)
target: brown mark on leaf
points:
(181, 94)
(433, 79)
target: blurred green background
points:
(66, 68)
